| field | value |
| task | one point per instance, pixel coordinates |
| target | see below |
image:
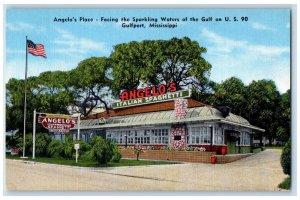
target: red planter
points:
(224, 151)
(213, 160)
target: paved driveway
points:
(260, 172)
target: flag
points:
(36, 49)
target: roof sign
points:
(148, 91)
(152, 99)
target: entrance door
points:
(232, 142)
(231, 146)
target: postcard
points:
(147, 99)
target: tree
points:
(14, 104)
(46, 93)
(283, 115)
(262, 100)
(183, 64)
(90, 84)
(52, 92)
(159, 61)
(231, 92)
(137, 150)
(127, 70)
(135, 62)
(259, 102)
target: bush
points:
(286, 184)
(286, 158)
(55, 148)
(28, 144)
(116, 153)
(84, 148)
(101, 151)
(12, 142)
(41, 144)
(68, 147)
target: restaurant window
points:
(83, 137)
(74, 137)
(130, 137)
(114, 137)
(58, 137)
(159, 136)
(200, 135)
(245, 139)
(187, 136)
(138, 137)
(121, 138)
(125, 135)
(148, 136)
(219, 136)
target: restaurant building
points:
(175, 122)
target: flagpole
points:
(25, 98)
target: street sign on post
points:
(76, 147)
(57, 123)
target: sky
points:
(255, 47)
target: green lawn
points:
(87, 163)
(286, 184)
(274, 147)
(257, 150)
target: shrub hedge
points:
(286, 158)
(97, 149)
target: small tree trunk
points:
(137, 155)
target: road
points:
(260, 172)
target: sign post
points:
(54, 123)
(76, 147)
(78, 128)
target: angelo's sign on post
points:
(57, 123)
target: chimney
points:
(225, 110)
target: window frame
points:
(137, 136)
(203, 135)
